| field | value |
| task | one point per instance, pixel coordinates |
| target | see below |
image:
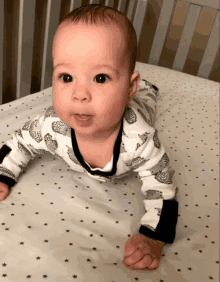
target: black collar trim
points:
(115, 154)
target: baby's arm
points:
(26, 143)
(156, 174)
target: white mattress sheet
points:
(60, 225)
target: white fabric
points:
(60, 225)
(140, 151)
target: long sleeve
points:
(25, 144)
(159, 221)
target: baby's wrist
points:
(160, 243)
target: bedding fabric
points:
(61, 225)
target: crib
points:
(181, 35)
(59, 225)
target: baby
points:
(98, 126)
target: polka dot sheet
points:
(58, 225)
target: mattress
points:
(60, 225)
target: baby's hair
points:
(101, 14)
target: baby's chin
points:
(91, 129)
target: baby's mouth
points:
(83, 115)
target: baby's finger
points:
(134, 258)
(143, 263)
(130, 247)
(155, 264)
(128, 267)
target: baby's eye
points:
(101, 78)
(66, 75)
(68, 78)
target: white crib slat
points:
(130, 9)
(211, 50)
(1, 48)
(93, 1)
(121, 6)
(25, 47)
(109, 3)
(161, 31)
(75, 4)
(186, 38)
(205, 3)
(71, 6)
(139, 17)
(52, 22)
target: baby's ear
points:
(135, 80)
(134, 84)
(138, 79)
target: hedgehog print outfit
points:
(137, 148)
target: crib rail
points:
(180, 35)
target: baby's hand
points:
(142, 253)
(4, 191)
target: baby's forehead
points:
(69, 26)
(96, 27)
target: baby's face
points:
(83, 85)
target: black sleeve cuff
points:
(9, 181)
(4, 151)
(166, 228)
